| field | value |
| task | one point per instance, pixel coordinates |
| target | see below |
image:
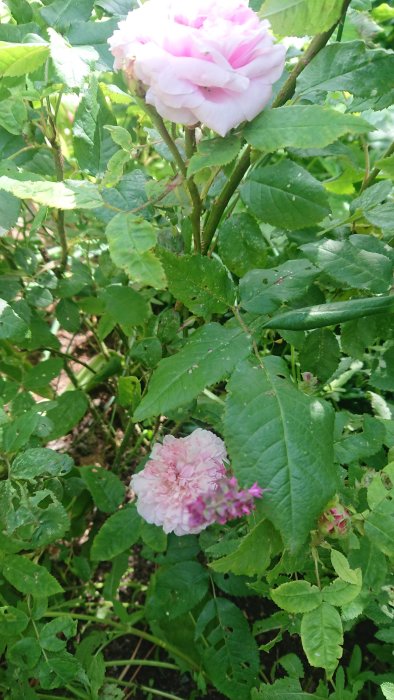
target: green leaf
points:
(232, 659)
(9, 211)
(242, 245)
(126, 306)
(154, 537)
(129, 392)
(71, 407)
(206, 358)
(388, 690)
(119, 532)
(282, 439)
(301, 17)
(93, 145)
(355, 446)
(383, 375)
(243, 560)
(12, 621)
(20, 10)
(285, 195)
(13, 115)
(42, 374)
(121, 137)
(214, 153)
(72, 65)
(379, 527)
(284, 689)
(322, 637)
(119, 8)
(25, 653)
(67, 313)
(262, 291)
(130, 241)
(386, 165)
(347, 264)
(330, 314)
(59, 670)
(343, 570)
(382, 216)
(301, 126)
(53, 523)
(202, 284)
(320, 354)
(49, 633)
(29, 578)
(176, 589)
(297, 596)
(70, 194)
(40, 461)
(12, 326)
(61, 13)
(351, 67)
(340, 592)
(106, 489)
(19, 59)
(373, 564)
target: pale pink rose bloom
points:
(209, 61)
(176, 474)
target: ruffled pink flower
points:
(184, 487)
(209, 61)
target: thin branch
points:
(59, 168)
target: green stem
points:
(191, 186)
(222, 201)
(243, 164)
(123, 446)
(169, 648)
(59, 168)
(145, 688)
(190, 147)
(375, 171)
(142, 662)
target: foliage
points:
(248, 291)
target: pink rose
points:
(209, 61)
(184, 486)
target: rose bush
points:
(209, 61)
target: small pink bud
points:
(335, 522)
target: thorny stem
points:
(190, 147)
(243, 164)
(190, 184)
(59, 168)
